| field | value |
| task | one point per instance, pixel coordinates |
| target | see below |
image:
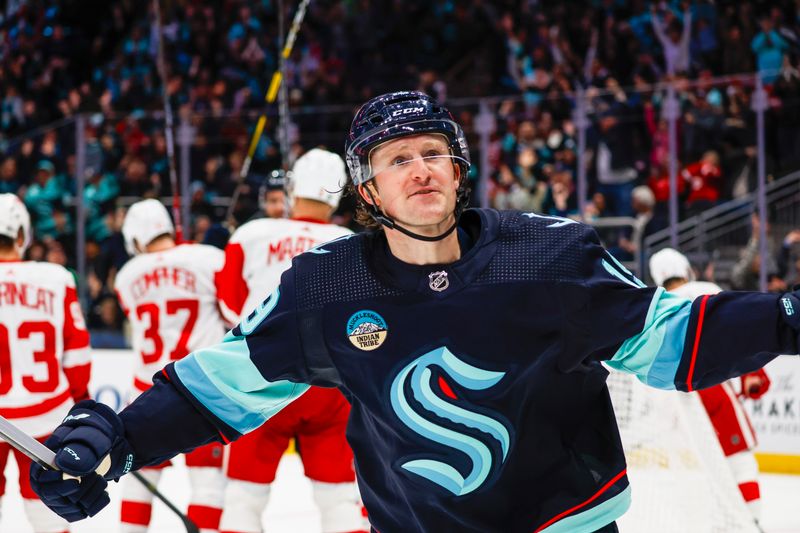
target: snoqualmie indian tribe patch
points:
(367, 330)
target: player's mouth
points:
(423, 192)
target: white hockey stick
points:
(37, 451)
(44, 456)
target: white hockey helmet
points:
(13, 218)
(669, 263)
(318, 175)
(143, 222)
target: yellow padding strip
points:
(780, 464)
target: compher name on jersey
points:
(164, 276)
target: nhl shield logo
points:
(438, 281)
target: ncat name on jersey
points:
(164, 276)
(284, 249)
(26, 295)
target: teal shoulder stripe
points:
(224, 379)
(618, 270)
(654, 354)
(594, 518)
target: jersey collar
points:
(478, 226)
(309, 219)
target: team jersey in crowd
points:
(174, 300)
(478, 399)
(695, 289)
(259, 252)
(45, 361)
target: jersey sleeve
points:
(77, 362)
(163, 422)
(256, 370)
(667, 341)
(232, 289)
(733, 333)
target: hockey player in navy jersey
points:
(469, 345)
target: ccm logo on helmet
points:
(407, 111)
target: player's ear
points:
(369, 193)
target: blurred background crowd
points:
(524, 60)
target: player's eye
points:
(399, 160)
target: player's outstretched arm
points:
(733, 333)
(158, 425)
(213, 394)
(667, 341)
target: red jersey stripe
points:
(583, 504)
(696, 347)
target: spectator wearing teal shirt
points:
(98, 196)
(769, 48)
(45, 200)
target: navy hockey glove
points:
(790, 306)
(89, 436)
(69, 498)
(90, 432)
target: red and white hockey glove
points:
(755, 384)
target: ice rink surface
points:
(291, 509)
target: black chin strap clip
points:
(391, 224)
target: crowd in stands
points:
(98, 58)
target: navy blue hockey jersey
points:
(478, 399)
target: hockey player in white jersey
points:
(260, 250)
(671, 269)
(45, 362)
(169, 295)
(256, 256)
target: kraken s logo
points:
(419, 376)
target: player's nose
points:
(419, 169)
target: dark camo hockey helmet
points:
(399, 114)
(275, 181)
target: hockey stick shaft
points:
(187, 523)
(45, 457)
(168, 126)
(35, 450)
(274, 85)
(270, 97)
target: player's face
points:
(416, 180)
(275, 204)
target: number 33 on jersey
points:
(44, 346)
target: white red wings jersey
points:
(45, 361)
(695, 289)
(259, 252)
(171, 302)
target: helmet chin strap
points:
(388, 222)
